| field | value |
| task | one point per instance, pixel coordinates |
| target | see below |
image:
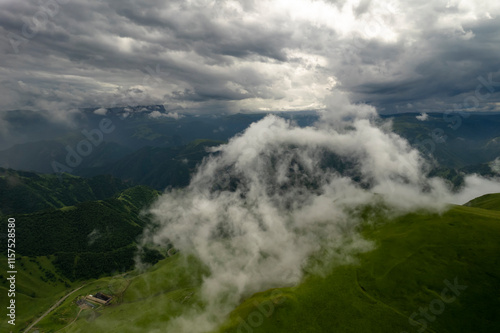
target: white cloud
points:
(157, 114)
(101, 111)
(495, 165)
(476, 186)
(259, 209)
(423, 116)
(174, 115)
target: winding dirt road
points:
(52, 308)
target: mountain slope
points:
(28, 192)
(39, 156)
(157, 167)
(58, 248)
(90, 239)
(488, 201)
(416, 257)
(454, 140)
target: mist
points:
(261, 206)
(476, 186)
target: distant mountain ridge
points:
(148, 150)
(454, 141)
(157, 167)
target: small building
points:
(99, 298)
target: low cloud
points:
(158, 114)
(259, 208)
(101, 111)
(422, 117)
(93, 236)
(495, 165)
(476, 186)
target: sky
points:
(216, 56)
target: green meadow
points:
(38, 287)
(415, 255)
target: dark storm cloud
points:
(439, 68)
(228, 56)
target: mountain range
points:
(81, 227)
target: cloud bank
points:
(271, 198)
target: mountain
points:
(86, 145)
(488, 201)
(157, 167)
(89, 239)
(437, 270)
(57, 248)
(454, 140)
(28, 192)
(427, 271)
(76, 231)
(51, 156)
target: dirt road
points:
(52, 308)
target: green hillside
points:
(142, 302)
(38, 286)
(89, 239)
(488, 201)
(58, 248)
(28, 192)
(416, 257)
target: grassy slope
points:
(35, 293)
(414, 255)
(488, 201)
(39, 284)
(406, 271)
(143, 302)
(117, 221)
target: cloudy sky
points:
(249, 55)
